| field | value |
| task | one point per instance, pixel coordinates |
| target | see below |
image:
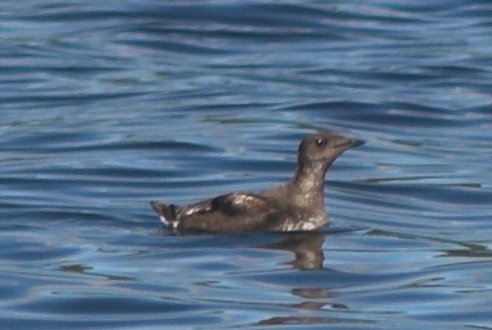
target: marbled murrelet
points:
(297, 205)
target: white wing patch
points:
(308, 226)
(243, 198)
(196, 210)
(301, 226)
(173, 225)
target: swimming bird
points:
(297, 205)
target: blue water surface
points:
(106, 105)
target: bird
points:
(297, 205)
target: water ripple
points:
(106, 106)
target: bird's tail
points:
(167, 213)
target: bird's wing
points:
(237, 204)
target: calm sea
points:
(106, 105)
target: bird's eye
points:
(320, 142)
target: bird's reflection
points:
(307, 249)
(308, 255)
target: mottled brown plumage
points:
(297, 205)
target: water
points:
(108, 105)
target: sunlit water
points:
(107, 105)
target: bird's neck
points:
(309, 181)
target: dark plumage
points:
(297, 205)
